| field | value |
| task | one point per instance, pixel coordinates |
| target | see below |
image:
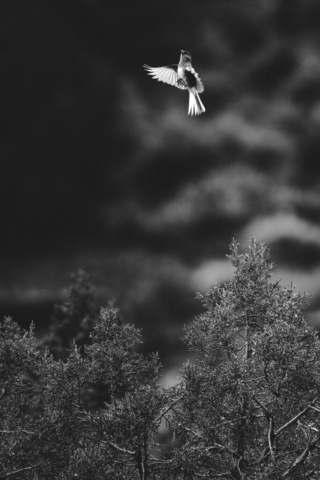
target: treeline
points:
(93, 407)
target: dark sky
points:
(102, 168)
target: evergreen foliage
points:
(74, 319)
(247, 408)
(250, 407)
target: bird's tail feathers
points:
(195, 105)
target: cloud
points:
(272, 228)
(231, 192)
(211, 272)
(160, 118)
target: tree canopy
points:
(247, 407)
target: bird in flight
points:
(182, 76)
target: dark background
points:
(102, 168)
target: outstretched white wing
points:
(166, 74)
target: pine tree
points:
(247, 408)
(251, 404)
(73, 320)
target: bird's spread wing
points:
(166, 74)
(194, 79)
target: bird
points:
(181, 76)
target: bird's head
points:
(186, 55)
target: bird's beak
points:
(181, 51)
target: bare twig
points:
(300, 460)
(294, 419)
(270, 430)
(315, 408)
(168, 408)
(262, 406)
(120, 449)
(271, 437)
(9, 474)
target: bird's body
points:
(182, 76)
